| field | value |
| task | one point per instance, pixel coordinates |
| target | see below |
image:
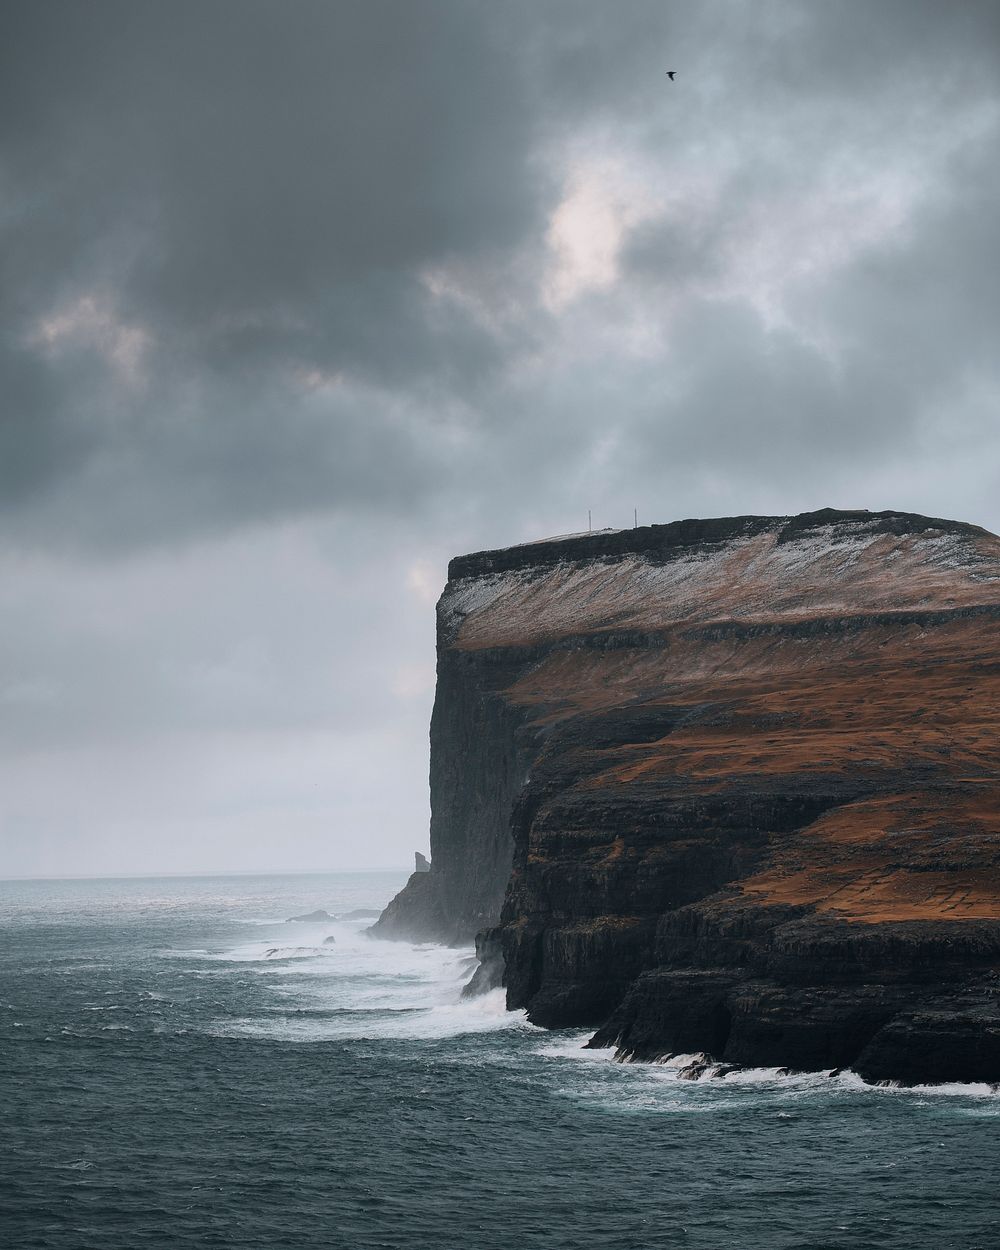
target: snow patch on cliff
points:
(837, 569)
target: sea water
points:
(182, 1067)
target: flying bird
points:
(670, 74)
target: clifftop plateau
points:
(728, 786)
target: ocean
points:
(181, 1067)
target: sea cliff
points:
(728, 786)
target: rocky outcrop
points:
(729, 786)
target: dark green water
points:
(179, 1067)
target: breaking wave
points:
(338, 983)
(695, 1082)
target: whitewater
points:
(180, 1066)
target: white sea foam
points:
(563, 1047)
(258, 920)
(361, 987)
(951, 1089)
(636, 1083)
(486, 1014)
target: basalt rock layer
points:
(729, 786)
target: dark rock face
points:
(421, 862)
(729, 787)
(480, 753)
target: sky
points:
(297, 301)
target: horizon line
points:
(160, 876)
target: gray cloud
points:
(209, 205)
(225, 224)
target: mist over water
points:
(181, 1067)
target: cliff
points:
(729, 786)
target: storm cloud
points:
(297, 301)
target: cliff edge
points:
(728, 786)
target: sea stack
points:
(729, 786)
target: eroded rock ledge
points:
(729, 786)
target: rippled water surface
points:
(181, 1067)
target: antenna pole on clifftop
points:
(635, 518)
(589, 525)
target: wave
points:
(358, 987)
(699, 1075)
(486, 1014)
